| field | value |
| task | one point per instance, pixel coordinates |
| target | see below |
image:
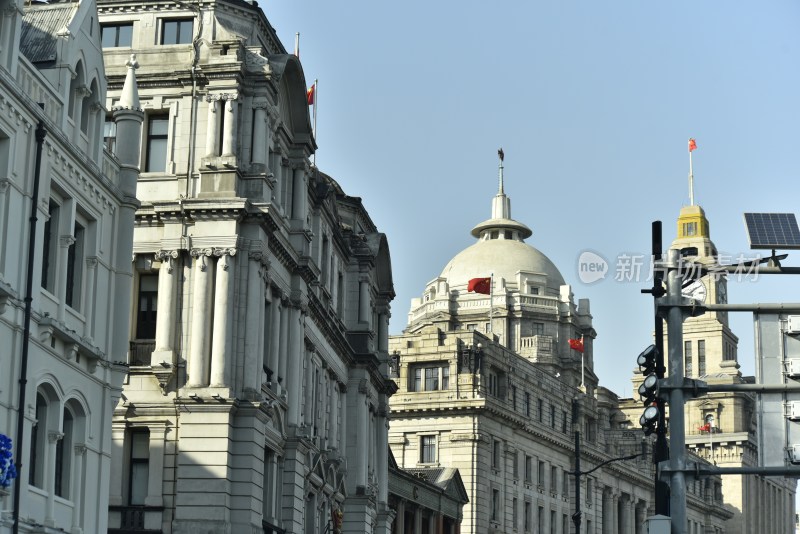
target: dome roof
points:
(503, 258)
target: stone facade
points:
(257, 394)
(52, 163)
(488, 383)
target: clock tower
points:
(710, 347)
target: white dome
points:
(502, 257)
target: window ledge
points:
(49, 328)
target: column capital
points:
(54, 436)
(80, 449)
(66, 241)
(262, 104)
(219, 252)
(91, 262)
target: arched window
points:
(38, 444)
(76, 86)
(64, 455)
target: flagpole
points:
(583, 366)
(297, 45)
(316, 95)
(691, 178)
(491, 305)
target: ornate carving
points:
(66, 241)
(200, 254)
(91, 262)
(54, 436)
(167, 257)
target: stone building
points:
(488, 383)
(70, 263)
(759, 504)
(257, 394)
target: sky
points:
(593, 103)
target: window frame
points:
(427, 449)
(178, 31)
(116, 26)
(151, 138)
(138, 461)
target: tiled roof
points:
(40, 27)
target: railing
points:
(269, 528)
(32, 82)
(141, 350)
(537, 343)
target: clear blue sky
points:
(593, 103)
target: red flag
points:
(692, 145)
(576, 344)
(480, 285)
(705, 428)
(310, 94)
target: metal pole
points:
(40, 134)
(576, 517)
(661, 449)
(677, 438)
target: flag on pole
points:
(692, 145)
(576, 344)
(705, 428)
(311, 94)
(480, 285)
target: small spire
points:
(129, 99)
(502, 156)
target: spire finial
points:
(692, 146)
(129, 99)
(502, 156)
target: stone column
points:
(400, 518)
(294, 365)
(155, 471)
(88, 307)
(299, 193)
(260, 140)
(81, 92)
(165, 314)
(382, 449)
(273, 360)
(77, 487)
(608, 516)
(230, 127)
(254, 342)
(4, 183)
(212, 130)
(223, 315)
(61, 274)
(198, 365)
(363, 300)
(383, 331)
(117, 448)
(625, 519)
(283, 345)
(50, 474)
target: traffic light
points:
(648, 390)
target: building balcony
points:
(133, 519)
(141, 350)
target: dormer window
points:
(495, 234)
(689, 229)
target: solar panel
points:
(772, 230)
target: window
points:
(701, 357)
(552, 416)
(436, 377)
(63, 457)
(528, 468)
(117, 35)
(552, 522)
(50, 248)
(565, 483)
(156, 150)
(427, 450)
(553, 479)
(527, 519)
(687, 357)
(540, 480)
(589, 491)
(495, 505)
(514, 398)
(147, 307)
(176, 31)
(730, 352)
(538, 329)
(38, 443)
(110, 135)
(496, 445)
(514, 513)
(563, 421)
(139, 467)
(689, 228)
(540, 403)
(515, 461)
(75, 267)
(540, 520)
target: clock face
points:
(696, 290)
